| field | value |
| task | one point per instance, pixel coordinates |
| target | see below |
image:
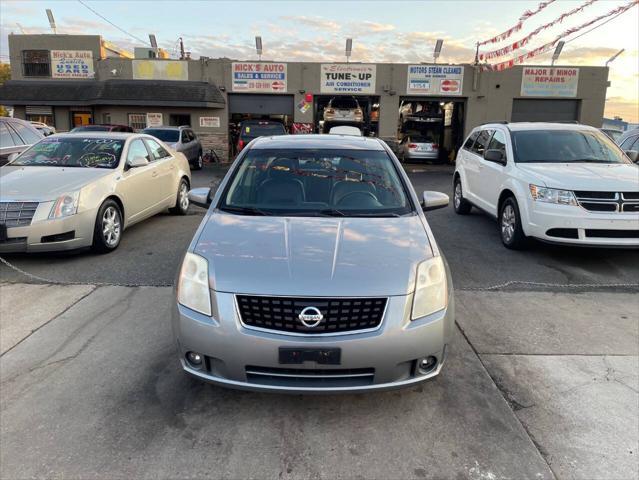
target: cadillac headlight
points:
(552, 195)
(193, 284)
(431, 290)
(66, 205)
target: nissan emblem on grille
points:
(310, 317)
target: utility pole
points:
(182, 54)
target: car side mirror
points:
(200, 197)
(633, 155)
(496, 156)
(434, 200)
(138, 161)
(12, 157)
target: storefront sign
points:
(210, 122)
(154, 120)
(72, 64)
(259, 77)
(347, 78)
(549, 82)
(160, 70)
(435, 80)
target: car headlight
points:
(65, 206)
(552, 195)
(431, 290)
(193, 284)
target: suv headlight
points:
(65, 206)
(193, 284)
(552, 195)
(431, 290)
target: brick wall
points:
(216, 141)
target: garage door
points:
(261, 104)
(527, 110)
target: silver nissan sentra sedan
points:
(314, 270)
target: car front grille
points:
(622, 202)
(17, 214)
(310, 378)
(339, 314)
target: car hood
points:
(301, 256)
(45, 183)
(585, 176)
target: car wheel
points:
(512, 235)
(108, 227)
(461, 205)
(199, 162)
(182, 200)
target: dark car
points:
(629, 143)
(102, 128)
(250, 129)
(15, 137)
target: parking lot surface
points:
(541, 381)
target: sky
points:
(382, 31)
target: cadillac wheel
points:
(182, 200)
(108, 227)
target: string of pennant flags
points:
(524, 41)
(550, 45)
(525, 16)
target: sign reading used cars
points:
(72, 64)
(549, 82)
(347, 78)
(259, 77)
(435, 80)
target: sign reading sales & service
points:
(347, 78)
(549, 82)
(72, 64)
(259, 77)
(435, 80)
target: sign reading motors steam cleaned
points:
(435, 80)
(347, 78)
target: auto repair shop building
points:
(67, 80)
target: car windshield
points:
(344, 102)
(91, 128)
(254, 130)
(560, 146)
(72, 152)
(349, 183)
(164, 134)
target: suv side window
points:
(185, 136)
(471, 139)
(6, 140)
(498, 142)
(627, 143)
(29, 137)
(158, 152)
(137, 149)
(192, 135)
(482, 142)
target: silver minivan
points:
(314, 270)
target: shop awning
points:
(153, 93)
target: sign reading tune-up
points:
(347, 78)
(444, 80)
(549, 82)
(259, 77)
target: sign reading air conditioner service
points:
(444, 80)
(347, 78)
(549, 82)
(72, 64)
(259, 77)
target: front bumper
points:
(29, 238)
(391, 352)
(590, 228)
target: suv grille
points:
(626, 202)
(17, 214)
(340, 314)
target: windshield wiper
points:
(588, 160)
(244, 210)
(331, 212)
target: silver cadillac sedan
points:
(314, 270)
(79, 190)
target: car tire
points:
(182, 199)
(107, 232)
(460, 204)
(509, 221)
(199, 162)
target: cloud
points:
(316, 23)
(622, 107)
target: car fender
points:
(520, 189)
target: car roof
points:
(329, 141)
(114, 135)
(520, 126)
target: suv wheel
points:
(512, 235)
(108, 228)
(461, 205)
(199, 162)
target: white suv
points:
(561, 183)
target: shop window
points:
(106, 118)
(36, 63)
(177, 120)
(46, 119)
(137, 121)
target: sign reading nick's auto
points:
(347, 78)
(259, 77)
